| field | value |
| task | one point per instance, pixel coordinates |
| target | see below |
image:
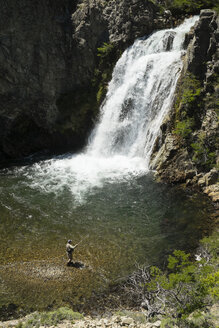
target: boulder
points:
(116, 319)
(157, 324)
(190, 174)
(149, 325)
(211, 177)
(214, 196)
(127, 321)
(202, 182)
(212, 188)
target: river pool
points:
(121, 223)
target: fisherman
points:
(69, 250)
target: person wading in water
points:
(69, 250)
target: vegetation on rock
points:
(108, 54)
(190, 104)
(51, 318)
(201, 153)
(188, 98)
(184, 128)
(190, 6)
(183, 290)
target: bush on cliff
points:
(107, 55)
(202, 155)
(184, 128)
(191, 6)
(191, 103)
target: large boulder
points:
(203, 44)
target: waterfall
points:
(139, 96)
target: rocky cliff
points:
(187, 149)
(48, 56)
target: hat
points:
(69, 241)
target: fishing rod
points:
(82, 240)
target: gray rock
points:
(202, 182)
(190, 174)
(149, 325)
(127, 321)
(212, 188)
(157, 323)
(207, 13)
(211, 177)
(116, 319)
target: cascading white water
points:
(139, 96)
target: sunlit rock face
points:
(181, 156)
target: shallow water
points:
(120, 223)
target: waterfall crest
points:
(139, 96)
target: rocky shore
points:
(127, 319)
(114, 321)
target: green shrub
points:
(197, 319)
(189, 95)
(190, 89)
(201, 153)
(101, 94)
(105, 50)
(107, 57)
(211, 244)
(190, 6)
(184, 128)
(187, 285)
(187, 103)
(168, 323)
(51, 318)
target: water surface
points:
(120, 224)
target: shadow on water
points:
(77, 265)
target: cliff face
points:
(187, 150)
(48, 53)
(35, 66)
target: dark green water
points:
(120, 224)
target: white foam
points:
(139, 96)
